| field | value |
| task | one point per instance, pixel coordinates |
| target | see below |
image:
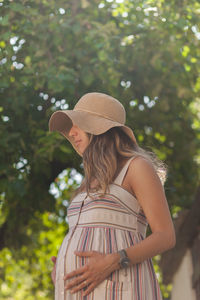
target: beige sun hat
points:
(94, 113)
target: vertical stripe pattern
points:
(107, 224)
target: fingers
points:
(82, 285)
(79, 282)
(88, 276)
(53, 258)
(89, 289)
(53, 276)
(76, 272)
(53, 273)
(86, 253)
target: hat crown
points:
(102, 105)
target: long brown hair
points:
(104, 154)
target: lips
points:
(77, 142)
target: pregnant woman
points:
(106, 254)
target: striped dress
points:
(107, 224)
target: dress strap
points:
(120, 177)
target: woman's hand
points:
(99, 267)
(53, 273)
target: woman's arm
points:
(146, 185)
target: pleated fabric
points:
(107, 224)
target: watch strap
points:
(122, 254)
(123, 258)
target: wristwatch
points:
(124, 260)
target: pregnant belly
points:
(106, 240)
(102, 239)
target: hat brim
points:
(63, 120)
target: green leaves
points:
(142, 50)
(26, 273)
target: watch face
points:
(125, 262)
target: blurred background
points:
(144, 53)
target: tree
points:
(145, 53)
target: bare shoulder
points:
(141, 173)
(141, 165)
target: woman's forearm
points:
(154, 244)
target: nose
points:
(72, 131)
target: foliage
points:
(165, 289)
(25, 273)
(145, 53)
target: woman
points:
(106, 254)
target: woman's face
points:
(79, 138)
